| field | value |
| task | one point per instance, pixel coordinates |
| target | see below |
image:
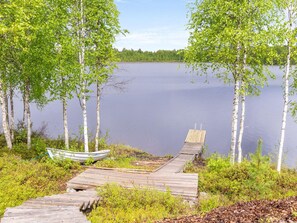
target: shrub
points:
(24, 179)
(253, 179)
(135, 205)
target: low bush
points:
(255, 178)
(120, 205)
(23, 179)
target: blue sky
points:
(153, 24)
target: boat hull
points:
(77, 156)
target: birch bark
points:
(235, 108)
(5, 124)
(98, 117)
(28, 116)
(286, 93)
(242, 116)
(12, 121)
(234, 121)
(84, 87)
(241, 128)
(65, 123)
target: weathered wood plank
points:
(44, 215)
(196, 136)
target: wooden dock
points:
(66, 208)
(168, 176)
(69, 207)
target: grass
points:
(122, 156)
(120, 205)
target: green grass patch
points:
(122, 156)
(120, 205)
(21, 179)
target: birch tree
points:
(96, 24)
(102, 56)
(290, 39)
(67, 68)
(12, 30)
(34, 58)
(226, 36)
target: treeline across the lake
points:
(131, 55)
(55, 50)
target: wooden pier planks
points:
(179, 184)
(192, 147)
(168, 176)
(53, 209)
(196, 136)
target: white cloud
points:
(154, 39)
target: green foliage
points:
(89, 161)
(147, 56)
(211, 202)
(66, 164)
(39, 144)
(21, 179)
(135, 205)
(252, 179)
(120, 162)
(122, 156)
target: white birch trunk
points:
(24, 109)
(12, 121)
(6, 107)
(85, 121)
(98, 117)
(286, 95)
(5, 124)
(234, 121)
(241, 128)
(84, 87)
(235, 108)
(28, 116)
(242, 116)
(65, 123)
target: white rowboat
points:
(76, 156)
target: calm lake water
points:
(162, 101)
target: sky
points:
(153, 24)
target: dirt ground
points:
(263, 211)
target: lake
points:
(161, 101)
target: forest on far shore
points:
(149, 56)
(131, 55)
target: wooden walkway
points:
(69, 207)
(168, 176)
(66, 208)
